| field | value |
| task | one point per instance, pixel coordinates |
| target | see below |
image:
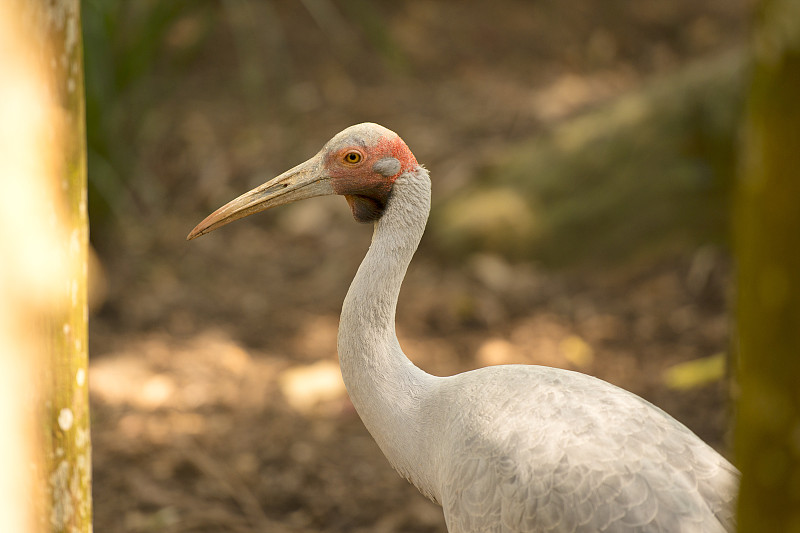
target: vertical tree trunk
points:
(767, 227)
(44, 246)
(67, 450)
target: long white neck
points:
(388, 391)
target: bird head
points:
(360, 163)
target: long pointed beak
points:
(303, 181)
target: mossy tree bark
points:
(767, 228)
(52, 36)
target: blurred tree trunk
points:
(44, 246)
(67, 448)
(767, 227)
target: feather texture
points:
(517, 448)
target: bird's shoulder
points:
(537, 397)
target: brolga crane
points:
(511, 448)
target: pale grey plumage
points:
(551, 450)
(507, 449)
(517, 448)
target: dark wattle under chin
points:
(366, 209)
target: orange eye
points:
(352, 158)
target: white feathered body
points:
(517, 448)
(566, 452)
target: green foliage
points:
(696, 373)
(124, 43)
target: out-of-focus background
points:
(582, 155)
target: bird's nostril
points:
(275, 188)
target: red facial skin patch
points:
(398, 149)
(366, 190)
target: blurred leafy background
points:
(582, 156)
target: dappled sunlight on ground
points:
(204, 432)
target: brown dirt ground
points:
(217, 404)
